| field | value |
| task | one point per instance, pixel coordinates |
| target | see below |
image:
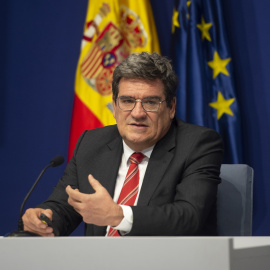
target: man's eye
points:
(127, 101)
(150, 102)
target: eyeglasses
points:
(149, 104)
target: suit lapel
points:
(111, 162)
(158, 163)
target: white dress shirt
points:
(127, 222)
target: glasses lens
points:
(151, 104)
(126, 103)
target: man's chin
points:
(137, 143)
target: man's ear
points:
(114, 107)
(172, 108)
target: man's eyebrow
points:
(126, 97)
(158, 97)
(153, 97)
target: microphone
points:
(58, 160)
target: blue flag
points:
(203, 63)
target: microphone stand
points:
(20, 230)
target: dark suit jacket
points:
(178, 195)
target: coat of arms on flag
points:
(111, 46)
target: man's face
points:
(138, 128)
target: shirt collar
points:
(128, 152)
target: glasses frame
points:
(138, 100)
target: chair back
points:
(235, 200)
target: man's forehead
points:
(133, 86)
(142, 80)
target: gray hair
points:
(149, 67)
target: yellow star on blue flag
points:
(204, 27)
(222, 105)
(219, 65)
(175, 20)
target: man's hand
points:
(32, 222)
(98, 208)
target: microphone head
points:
(57, 161)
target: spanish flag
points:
(113, 30)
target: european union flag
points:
(203, 64)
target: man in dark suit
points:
(177, 175)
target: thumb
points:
(94, 182)
(48, 213)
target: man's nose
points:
(138, 110)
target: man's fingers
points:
(79, 200)
(41, 233)
(48, 213)
(48, 231)
(75, 199)
(32, 222)
(94, 182)
(74, 194)
(76, 205)
(31, 218)
(77, 196)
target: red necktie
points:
(131, 185)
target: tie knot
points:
(136, 157)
